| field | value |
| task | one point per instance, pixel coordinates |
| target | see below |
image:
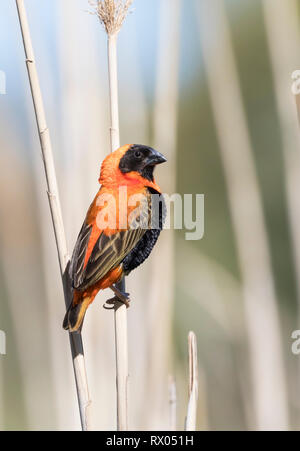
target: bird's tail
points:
(76, 313)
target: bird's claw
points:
(110, 304)
(119, 297)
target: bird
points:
(120, 230)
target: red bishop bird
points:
(120, 229)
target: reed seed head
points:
(111, 13)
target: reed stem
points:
(296, 91)
(114, 93)
(121, 336)
(191, 418)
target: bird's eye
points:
(138, 155)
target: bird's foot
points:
(119, 297)
(122, 297)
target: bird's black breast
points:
(143, 249)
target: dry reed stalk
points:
(53, 195)
(283, 35)
(296, 91)
(112, 14)
(262, 317)
(161, 297)
(191, 418)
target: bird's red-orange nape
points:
(105, 251)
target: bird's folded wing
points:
(107, 254)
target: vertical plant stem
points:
(121, 365)
(191, 418)
(53, 195)
(114, 92)
(121, 338)
(296, 88)
(261, 308)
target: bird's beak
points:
(155, 158)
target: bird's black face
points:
(141, 159)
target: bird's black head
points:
(141, 159)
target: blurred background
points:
(208, 83)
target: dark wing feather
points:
(77, 261)
(108, 253)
